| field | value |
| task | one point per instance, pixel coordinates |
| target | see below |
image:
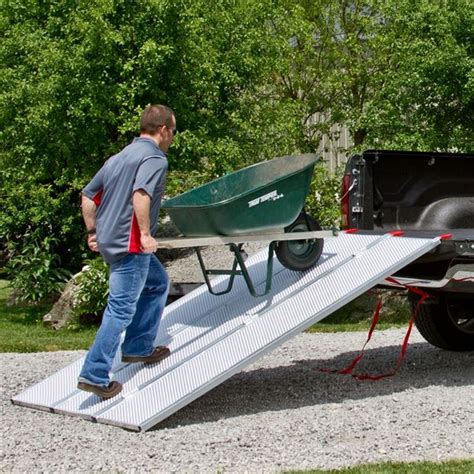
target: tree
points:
(248, 80)
(395, 73)
(431, 94)
(75, 76)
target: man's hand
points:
(148, 244)
(92, 242)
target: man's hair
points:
(155, 116)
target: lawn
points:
(22, 329)
(357, 315)
(447, 467)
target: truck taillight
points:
(345, 185)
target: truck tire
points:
(447, 321)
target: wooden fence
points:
(335, 146)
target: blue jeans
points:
(138, 288)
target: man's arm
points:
(89, 210)
(141, 206)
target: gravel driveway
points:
(278, 414)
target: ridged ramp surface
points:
(213, 337)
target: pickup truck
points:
(424, 195)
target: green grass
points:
(22, 329)
(448, 467)
(357, 315)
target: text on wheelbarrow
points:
(272, 196)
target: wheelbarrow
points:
(262, 202)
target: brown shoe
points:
(160, 353)
(114, 388)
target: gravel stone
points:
(280, 413)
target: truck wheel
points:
(447, 321)
(299, 255)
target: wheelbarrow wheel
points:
(299, 255)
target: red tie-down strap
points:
(349, 370)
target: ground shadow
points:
(302, 383)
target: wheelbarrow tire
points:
(300, 255)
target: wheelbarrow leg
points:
(268, 283)
(207, 272)
(238, 260)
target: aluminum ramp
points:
(213, 337)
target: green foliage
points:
(431, 98)
(93, 288)
(397, 74)
(248, 80)
(36, 276)
(323, 201)
(42, 237)
(75, 77)
(177, 182)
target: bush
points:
(42, 223)
(93, 288)
(74, 81)
(36, 275)
(323, 201)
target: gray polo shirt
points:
(140, 165)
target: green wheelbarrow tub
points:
(267, 195)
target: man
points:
(120, 207)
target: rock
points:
(63, 310)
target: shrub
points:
(93, 288)
(40, 222)
(36, 275)
(323, 201)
